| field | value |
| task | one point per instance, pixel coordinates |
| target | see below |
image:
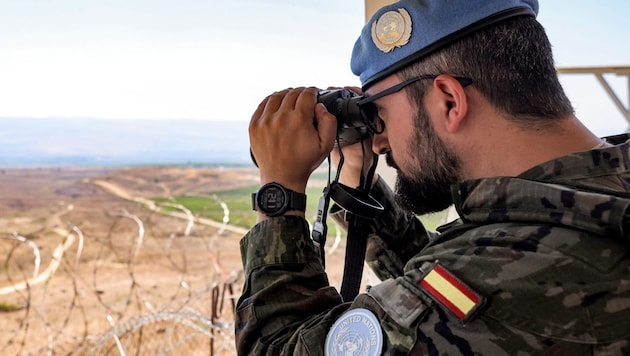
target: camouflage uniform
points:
(547, 251)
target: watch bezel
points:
(260, 194)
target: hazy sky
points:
(210, 59)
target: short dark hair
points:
(511, 64)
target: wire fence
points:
(151, 284)
(100, 270)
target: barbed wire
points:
(147, 281)
(160, 305)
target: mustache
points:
(390, 161)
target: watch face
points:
(272, 199)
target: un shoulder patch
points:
(356, 332)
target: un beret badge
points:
(392, 30)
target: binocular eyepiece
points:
(352, 123)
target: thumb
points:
(326, 126)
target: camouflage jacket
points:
(537, 264)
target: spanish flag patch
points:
(446, 289)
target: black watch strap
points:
(272, 199)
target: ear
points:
(452, 94)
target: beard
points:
(425, 186)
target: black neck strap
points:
(361, 207)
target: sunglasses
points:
(369, 111)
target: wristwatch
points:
(272, 199)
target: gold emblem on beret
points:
(392, 30)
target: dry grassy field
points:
(92, 265)
(89, 269)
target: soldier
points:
(466, 105)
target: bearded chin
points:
(425, 186)
(422, 197)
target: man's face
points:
(426, 165)
(423, 186)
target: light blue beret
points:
(405, 31)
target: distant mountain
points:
(89, 141)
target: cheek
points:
(402, 131)
(402, 142)
(399, 140)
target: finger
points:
(306, 103)
(259, 111)
(274, 101)
(289, 101)
(354, 89)
(326, 127)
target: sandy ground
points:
(88, 267)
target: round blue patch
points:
(356, 332)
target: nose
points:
(380, 144)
